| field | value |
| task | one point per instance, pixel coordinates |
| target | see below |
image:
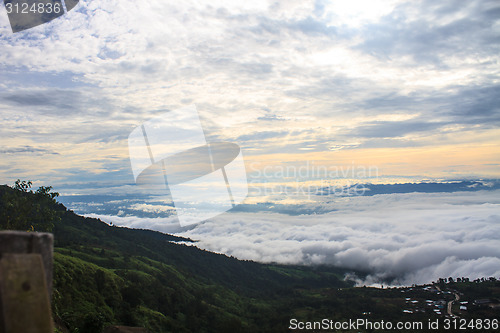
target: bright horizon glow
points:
(395, 84)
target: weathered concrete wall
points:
(18, 242)
(25, 282)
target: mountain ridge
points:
(108, 275)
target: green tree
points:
(24, 209)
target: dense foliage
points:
(23, 208)
(110, 275)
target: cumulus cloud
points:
(329, 77)
(303, 62)
(275, 77)
(395, 238)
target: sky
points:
(319, 95)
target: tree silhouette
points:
(23, 209)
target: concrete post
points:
(18, 242)
(25, 282)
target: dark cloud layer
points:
(433, 32)
(27, 150)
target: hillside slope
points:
(110, 275)
(139, 277)
(106, 274)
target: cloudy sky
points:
(378, 92)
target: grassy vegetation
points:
(109, 275)
(141, 278)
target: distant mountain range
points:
(432, 187)
(125, 206)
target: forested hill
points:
(106, 274)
